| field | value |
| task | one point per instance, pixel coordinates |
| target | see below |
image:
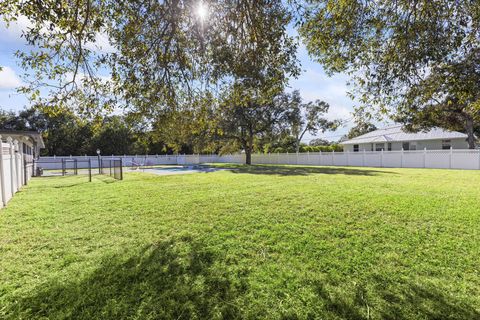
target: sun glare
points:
(202, 11)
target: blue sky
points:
(313, 82)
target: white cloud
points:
(13, 33)
(9, 79)
(101, 45)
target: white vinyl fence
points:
(442, 159)
(15, 169)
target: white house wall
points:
(397, 146)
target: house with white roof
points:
(394, 138)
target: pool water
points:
(181, 170)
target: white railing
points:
(14, 171)
(441, 159)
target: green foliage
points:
(168, 66)
(248, 114)
(306, 117)
(65, 133)
(269, 242)
(10, 121)
(163, 56)
(360, 128)
(289, 144)
(414, 61)
(319, 142)
(333, 147)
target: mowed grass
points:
(254, 243)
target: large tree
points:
(408, 58)
(167, 60)
(247, 115)
(163, 54)
(306, 117)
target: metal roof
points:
(396, 133)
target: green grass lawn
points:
(259, 242)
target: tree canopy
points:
(167, 65)
(306, 117)
(163, 55)
(411, 60)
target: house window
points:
(26, 149)
(389, 146)
(406, 146)
(355, 148)
(446, 144)
(413, 145)
(379, 146)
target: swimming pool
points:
(181, 170)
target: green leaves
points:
(394, 48)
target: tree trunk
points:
(470, 133)
(248, 155)
(297, 146)
(249, 148)
(299, 140)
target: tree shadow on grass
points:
(167, 280)
(182, 279)
(71, 185)
(399, 300)
(305, 170)
(422, 300)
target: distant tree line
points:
(67, 133)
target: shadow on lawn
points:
(304, 171)
(400, 300)
(184, 280)
(168, 280)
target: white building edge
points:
(394, 138)
(18, 149)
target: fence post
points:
(2, 175)
(25, 179)
(320, 158)
(381, 158)
(13, 156)
(363, 157)
(18, 164)
(451, 157)
(89, 170)
(348, 157)
(333, 157)
(296, 158)
(308, 157)
(121, 169)
(478, 159)
(425, 157)
(13, 169)
(401, 159)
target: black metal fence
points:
(112, 168)
(77, 166)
